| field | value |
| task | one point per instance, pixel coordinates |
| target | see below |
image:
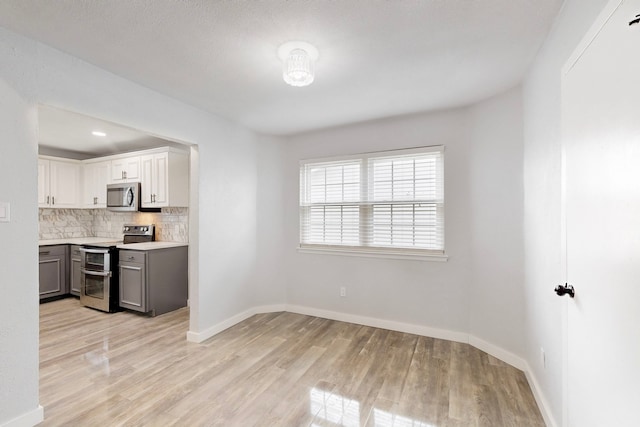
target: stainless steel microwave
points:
(123, 197)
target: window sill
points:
(388, 254)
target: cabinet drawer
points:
(75, 250)
(133, 256)
(52, 250)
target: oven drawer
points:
(133, 256)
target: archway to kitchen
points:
(67, 145)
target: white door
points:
(125, 170)
(161, 179)
(155, 180)
(102, 177)
(44, 196)
(96, 178)
(601, 134)
(64, 184)
(147, 181)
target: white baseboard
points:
(487, 347)
(380, 323)
(199, 337)
(523, 365)
(541, 400)
(498, 352)
(28, 419)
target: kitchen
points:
(113, 215)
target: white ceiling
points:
(69, 131)
(377, 58)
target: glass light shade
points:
(298, 68)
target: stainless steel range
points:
(99, 268)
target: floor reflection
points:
(99, 359)
(335, 408)
(345, 412)
(387, 419)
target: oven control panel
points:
(139, 230)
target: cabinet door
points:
(43, 183)
(133, 282)
(147, 182)
(96, 178)
(64, 184)
(53, 271)
(125, 170)
(155, 180)
(74, 271)
(161, 179)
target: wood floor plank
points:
(273, 369)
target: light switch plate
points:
(5, 212)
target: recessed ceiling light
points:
(98, 133)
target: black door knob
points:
(565, 289)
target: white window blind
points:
(391, 200)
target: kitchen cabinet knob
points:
(53, 200)
(48, 198)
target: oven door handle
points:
(95, 251)
(96, 273)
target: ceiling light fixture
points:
(98, 133)
(298, 63)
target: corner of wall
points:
(28, 419)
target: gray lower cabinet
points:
(74, 270)
(154, 281)
(133, 280)
(53, 271)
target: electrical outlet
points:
(343, 291)
(543, 358)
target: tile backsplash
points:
(172, 224)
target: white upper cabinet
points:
(165, 179)
(58, 183)
(44, 196)
(126, 169)
(163, 174)
(96, 177)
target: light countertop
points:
(149, 246)
(146, 246)
(79, 241)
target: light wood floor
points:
(278, 369)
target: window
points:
(384, 202)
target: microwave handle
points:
(130, 196)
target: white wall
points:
(482, 280)
(248, 192)
(432, 294)
(543, 270)
(18, 275)
(269, 282)
(496, 191)
(227, 195)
